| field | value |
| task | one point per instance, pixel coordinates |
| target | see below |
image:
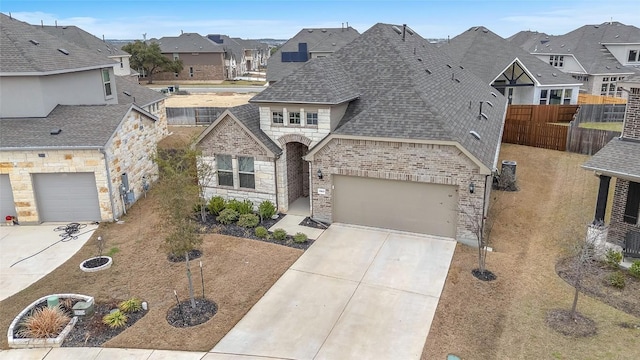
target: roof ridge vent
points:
(64, 51)
(396, 29)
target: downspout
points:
(106, 167)
(275, 179)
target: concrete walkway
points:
(98, 354)
(28, 243)
(356, 293)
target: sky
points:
(254, 19)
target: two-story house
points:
(521, 77)
(620, 159)
(241, 56)
(305, 45)
(76, 141)
(202, 59)
(599, 56)
(386, 132)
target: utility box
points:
(83, 308)
(130, 197)
(509, 167)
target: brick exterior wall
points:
(439, 164)
(631, 128)
(617, 227)
(130, 150)
(229, 138)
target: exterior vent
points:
(457, 80)
(419, 59)
(554, 75)
(489, 103)
(427, 71)
(126, 93)
(310, 30)
(484, 116)
(493, 94)
(34, 42)
(99, 50)
(485, 30)
(539, 75)
(409, 31)
(396, 29)
(324, 30)
(64, 51)
(475, 134)
(55, 131)
(461, 67)
(449, 66)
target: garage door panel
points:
(400, 205)
(66, 197)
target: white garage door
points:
(399, 205)
(66, 197)
(7, 206)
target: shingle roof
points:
(316, 40)
(616, 159)
(586, 44)
(527, 38)
(230, 45)
(77, 36)
(249, 116)
(487, 55)
(26, 49)
(322, 81)
(82, 126)
(187, 43)
(129, 91)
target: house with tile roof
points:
(385, 132)
(599, 56)
(83, 39)
(619, 159)
(202, 59)
(76, 141)
(521, 77)
(305, 45)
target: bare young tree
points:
(206, 172)
(481, 226)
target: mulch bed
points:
(594, 284)
(485, 275)
(95, 262)
(91, 332)
(193, 254)
(183, 315)
(213, 226)
(561, 321)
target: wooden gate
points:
(543, 126)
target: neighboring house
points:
(521, 77)
(305, 45)
(599, 56)
(83, 39)
(379, 134)
(71, 132)
(202, 59)
(620, 159)
(241, 56)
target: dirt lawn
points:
(505, 319)
(222, 99)
(237, 273)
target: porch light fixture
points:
(319, 174)
(472, 188)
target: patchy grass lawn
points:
(237, 273)
(611, 126)
(505, 319)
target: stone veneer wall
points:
(312, 132)
(440, 164)
(229, 138)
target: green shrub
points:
(115, 319)
(248, 220)
(114, 250)
(197, 208)
(280, 234)
(131, 305)
(227, 216)
(45, 322)
(216, 205)
(246, 207)
(635, 269)
(616, 279)
(262, 232)
(266, 210)
(300, 238)
(613, 258)
(234, 204)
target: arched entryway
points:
(297, 177)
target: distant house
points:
(521, 77)
(83, 39)
(202, 59)
(76, 141)
(377, 134)
(241, 56)
(305, 45)
(599, 56)
(620, 159)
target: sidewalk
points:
(70, 353)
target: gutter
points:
(106, 167)
(33, 148)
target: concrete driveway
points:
(356, 293)
(23, 242)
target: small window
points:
(294, 118)
(106, 80)
(191, 71)
(246, 172)
(312, 118)
(567, 96)
(543, 97)
(277, 117)
(121, 64)
(633, 56)
(225, 170)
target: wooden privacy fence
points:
(598, 99)
(533, 125)
(193, 115)
(588, 141)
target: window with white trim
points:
(609, 86)
(634, 56)
(106, 81)
(555, 96)
(246, 172)
(294, 118)
(225, 170)
(277, 117)
(312, 118)
(556, 61)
